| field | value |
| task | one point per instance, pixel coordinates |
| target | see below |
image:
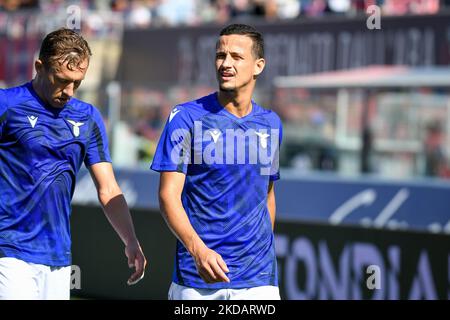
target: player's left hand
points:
(137, 260)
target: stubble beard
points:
(227, 90)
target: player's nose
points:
(69, 90)
(227, 62)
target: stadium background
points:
(365, 158)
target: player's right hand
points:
(210, 266)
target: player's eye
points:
(62, 81)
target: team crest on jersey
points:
(263, 138)
(75, 127)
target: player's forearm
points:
(271, 204)
(272, 208)
(178, 222)
(116, 210)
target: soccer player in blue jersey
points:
(218, 158)
(45, 137)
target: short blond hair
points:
(64, 45)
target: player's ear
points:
(259, 66)
(38, 66)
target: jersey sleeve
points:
(275, 165)
(3, 109)
(173, 152)
(97, 150)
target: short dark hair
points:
(66, 45)
(249, 31)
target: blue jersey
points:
(228, 162)
(41, 151)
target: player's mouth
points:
(226, 76)
(62, 100)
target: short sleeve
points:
(275, 165)
(174, 146)
(3, 111)
(97, 150)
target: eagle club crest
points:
(75, 127)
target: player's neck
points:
(35, 83)
(237, 104)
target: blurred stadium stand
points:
(156, 66)
(395, 106)
(367, 132)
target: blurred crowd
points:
(310, 120)
(146, 13)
